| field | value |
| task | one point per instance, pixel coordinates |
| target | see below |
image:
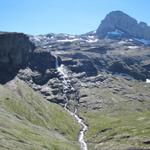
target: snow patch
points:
(130, 40)
(91, 36)
(92, 40)
(133, 47)
(147, 80)
(94, 31)
(122, 42)
(67, 40)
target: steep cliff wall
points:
(15, 49)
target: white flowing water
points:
(66, 84)
(147, 80)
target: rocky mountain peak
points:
(119, 23)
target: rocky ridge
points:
(118, 22)
(83, 56)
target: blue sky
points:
(65, 16)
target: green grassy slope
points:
(122, 120)
(28, 122)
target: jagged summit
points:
(120, 24)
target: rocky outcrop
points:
(15, 49)
(121, 67)
(41, 68)
(42, 59)
(121, 23)
(79, 62)
(85, 66)
(17, 52)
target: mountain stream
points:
(66, 85)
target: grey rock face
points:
(41, 67)
(117, 20)
(85, 59)
(84, 66)
(15, 49)
(42, 59)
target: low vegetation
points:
(121, 121)
(29, 122)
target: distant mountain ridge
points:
(119, 21)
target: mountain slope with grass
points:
(117, 112)
(27, 121)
